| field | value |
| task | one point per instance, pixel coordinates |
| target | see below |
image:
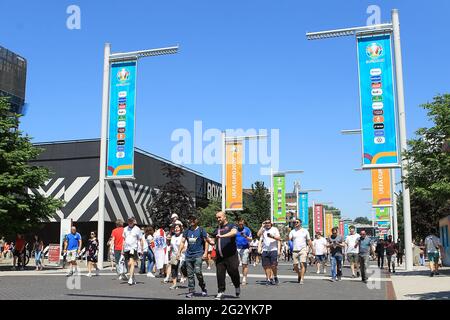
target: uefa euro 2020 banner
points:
(233, 175)
(122, 93)
(279, 199)
(381, 188)
(377, 101)
(303, 208)
(318, 218)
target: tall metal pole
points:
(394, 207)
(296, 197)
(403, 144)
(223, 169)
(314, 220)
(271, 195)
(102, 172)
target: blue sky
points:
(242, 64)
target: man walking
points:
(72, 247)
(365, 250)
(379, 250)
(19, 252)
(352, 251)
(336, 243)
(196, 252)
(433, 246)
(117, 241)
(133, 240)
(226, 254)
(271, 249)
(391, 250)
(399, 248)
(301, 240)
(243, 239)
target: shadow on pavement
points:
(111, 297)
(441, 295)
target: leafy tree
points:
(362, 220)
(429, 169)
(207, 215)
(20, 212)
(172, 197)
(258, 207)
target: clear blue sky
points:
(242, 64)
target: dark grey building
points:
(75, 179)
(13, 74)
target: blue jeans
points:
(37, 257)
(151, 260)
(336, 266)
(194, 268)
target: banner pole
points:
(102, 173)
(223, 170)
(271, 195)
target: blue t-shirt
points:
(291, 245)
(72, 241)
(195, 239)
(241, 242)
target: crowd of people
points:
(177, 254)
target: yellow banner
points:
(328, 223)
(381, 187)
(233, 176)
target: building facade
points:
(13, 73)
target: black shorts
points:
(92, 259)
(174, 270)
(129, 256)
(17, 253)
(269, 258)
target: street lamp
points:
(394, 28)
(351, 131)
(108, 58)
(225, 139)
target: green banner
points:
(382, 214)
(279, 199)
(336, 222)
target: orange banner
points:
(234, 176)
(328, 223)
(381, 188)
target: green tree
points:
(429, 169)
(172, 197)
(258, 207)
(362, 220)
(207, 215)
(20, 211)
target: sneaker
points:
(238, 292)
(150, 275)
(324, 270)
(353, 276)
(219, 296)
(302, 282)
(204, 292)
(89, 275)
(97, 272)
(318, 271)
(131, 281)
(166, 280)
(173, 287)
(189, 295)
(209, 268)
(69, 274)
(365, 281)
(339, 279)
(333, 280)
(244, 282)
(276, 281)
(254, 264)
(268, 282)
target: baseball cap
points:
(174, 216)
(178, 222)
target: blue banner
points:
(303, 208)
(377, 101)
(122, 99)
(346, 230)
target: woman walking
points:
(149, 231)
(38, 248)
(175, 243)
(92, 254)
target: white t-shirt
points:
(351, 241)
(270, 244)
(175, 243)
(320, 246)
(145, 248)
(254, 244)
(299, 238)
(131, 237)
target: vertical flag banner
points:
(381, 188)
(233, 174)
(303, 208)
(341, 228)
(328, 223)
(318, 218)
(377, 102)
(336, 222)
(122, 101)
(346, 231)
(382, 214)
(279, 199)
